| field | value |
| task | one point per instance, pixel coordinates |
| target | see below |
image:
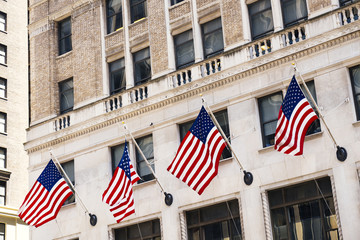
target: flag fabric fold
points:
(197, 159)
(295, 117)
(45, 198)
(119, 193)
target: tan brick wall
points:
(179, 10)
(232, 22)
(40, 98)
(87, 55)
(202, 3)
(114, 39)
(38, 12)
(315, 5)
(138, 28)
(158, 41)
(56, 5)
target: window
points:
(114, 15)
(2, 193)
(69, 170)
(347, 2)
(184, 49)
(2, 88)
(222, 118)
(116, 155)
(301, 210)
(142, 66)
(355, 82)
(315, 126)
(2, 231)
(261, 20)
(65, 44)
(220, 221)
(173, 2)
(2, 122)
(293, 11)
(138, 9)
(66, 91)
(3, 50)
(146, 146)
(212, 38)
(117, 76)
(269, 107)
(2, 157)
(2, 22)
(147, 230)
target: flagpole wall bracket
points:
(248, 178)
(93, 219)
(168, 198)
(341, 153)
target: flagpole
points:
(248, 177)
(341, 152)
(93, 218)
(168, 196)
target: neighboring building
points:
(14, 117)
(97, 63)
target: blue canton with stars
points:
(202, 125)
(293, 96)
(124, 163)
(50, 176)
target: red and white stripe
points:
(41, 206)
(195, 163)
(119, 194)
(289, 136)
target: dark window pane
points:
(305, 214)
(275, 197)
(293, 11)
(184, 49)
(315, 126)
(117, 76)
(213, 37)
(216, 222)
(269, 107)
(114, 15)
(69, 170)
(142, 66)
(65, 44)
(261, 20)
(146, 146)
(66, 91)
(301, 192)
(138, 9)
(173, 2)
(278, 219)
(116, 155)
(355, 80)
(147, 230)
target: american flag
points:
(45, 198)
(197, 159)
(119, 194)
(295, 117)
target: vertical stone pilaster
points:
(267, 217)
(338, 222)
(183, 226)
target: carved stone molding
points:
(267, 218)
(338, 222)
(192, 89)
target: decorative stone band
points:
(148, 106)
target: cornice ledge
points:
(186, 91)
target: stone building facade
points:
(14, 120)
(96, 64)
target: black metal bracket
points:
(168, 198)
(93, 219)
(248, 178)
(341, 153)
